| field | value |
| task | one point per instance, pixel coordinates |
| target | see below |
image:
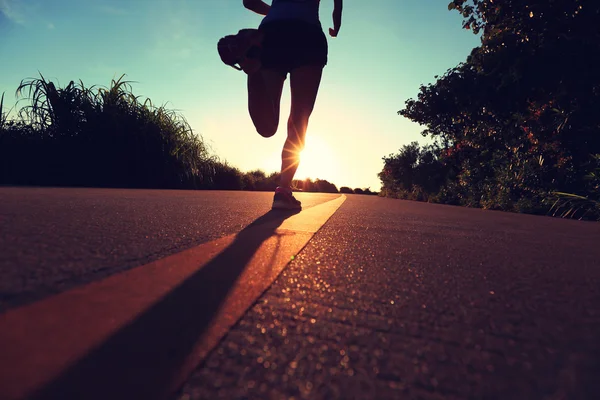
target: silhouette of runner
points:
(289, 40)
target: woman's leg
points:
(264, 97)
(304, 86)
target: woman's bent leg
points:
(264, 97)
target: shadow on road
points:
(142, 359)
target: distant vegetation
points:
(516, 126)
(109, 137)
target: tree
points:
(413, 169)
(324, 186)
(516, 120)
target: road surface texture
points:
(405, 300)
(55, 239)
(388, 299)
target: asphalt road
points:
(389, 299)
(55, 239)
(395, 299)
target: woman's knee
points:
(266, 129)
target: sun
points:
(317, 160)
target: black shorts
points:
(289, 44)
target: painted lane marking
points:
(140, 333)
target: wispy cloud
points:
(50, 25)
(10, 9)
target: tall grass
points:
(3, 117)
(569, 205)
(109, 137)
(97, 136)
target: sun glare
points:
(317, 160)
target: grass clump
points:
(101, 137)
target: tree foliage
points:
(318, 185)
(413, 173)
(517, 121)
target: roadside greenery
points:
(109, 137)
(103, 137)
(515, 127)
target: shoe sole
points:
(244, 40)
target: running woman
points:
(289, 40)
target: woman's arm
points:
(337, 17)
(258, 6)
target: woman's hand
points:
(337, 17)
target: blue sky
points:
(386, 49)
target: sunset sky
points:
(386, 49)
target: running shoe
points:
(284, 200)
(242, 51)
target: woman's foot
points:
(242, 51)
(285, 200)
